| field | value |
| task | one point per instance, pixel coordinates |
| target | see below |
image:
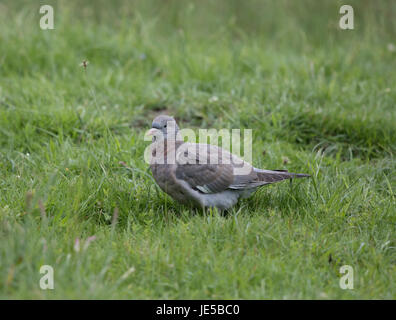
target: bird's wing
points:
(208, 168)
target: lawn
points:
(76, 193)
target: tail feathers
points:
(266, 177)
(302, 175)
(271, 176)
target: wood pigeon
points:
(201, 174)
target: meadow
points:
(76, 193)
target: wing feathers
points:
(194, 167)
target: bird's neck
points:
(166, 149)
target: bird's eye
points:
(165, 126)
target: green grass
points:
(322, 97)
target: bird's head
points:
(163, 127)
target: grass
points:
(322, 97)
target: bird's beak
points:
(151, 132)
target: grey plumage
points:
(193, 178)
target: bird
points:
(182, 170)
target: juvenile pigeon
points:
(199, 174)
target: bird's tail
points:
(271, 176)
